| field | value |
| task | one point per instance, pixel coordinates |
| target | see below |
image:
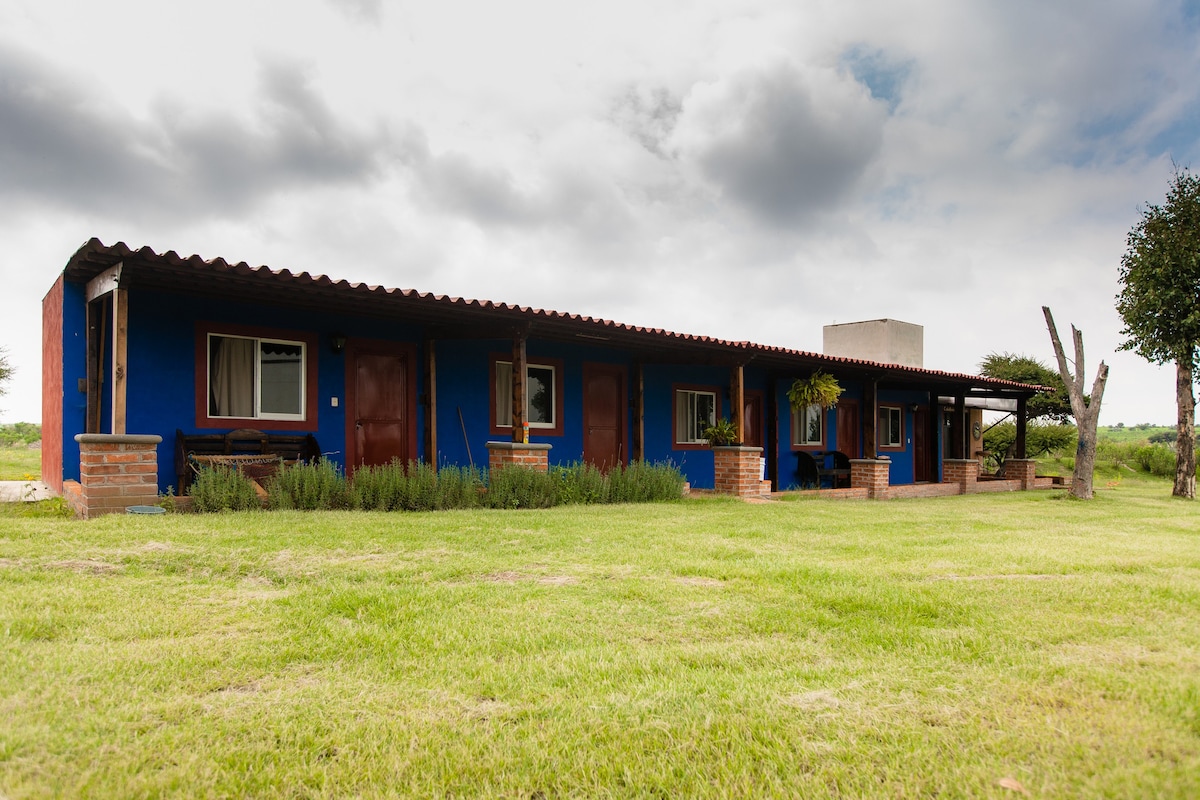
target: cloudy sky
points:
(748, 170)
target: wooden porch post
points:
(870, 419)
(639, 411)
(96, 323)
(431, 453)
(97, 294)
(737, 399)
(518, 386)
(120, 358)
(772, 413)
(957, 428)
(1022, 426)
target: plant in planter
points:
(721, 433)
(819, 389)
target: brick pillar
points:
(963, 471)
(1021, 469)
(872, 474)
(516, 454)
(115, 471)
(738, 470)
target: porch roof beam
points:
(105, 282)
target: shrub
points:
(1118, 454)
(222, 488)
(579, 483)
(379, 488)
(459, 487)
(641, 482)
(1040, 439)
(1157, 459)
(414, 487)
(517, 487)
(307, 486)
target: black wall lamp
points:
(337, 342)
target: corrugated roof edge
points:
(120, 251)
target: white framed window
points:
(695, 410)
(891, 426)
(256, 378)
(541, 395)
(808, 426)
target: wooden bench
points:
(812, 469)
(252, 452)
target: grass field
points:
(979, 646)
(20, 463)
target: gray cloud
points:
(590, 208)
(64, 146)
(487, 195)
(364, 10)
(786, 144)
(648, 115)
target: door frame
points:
(622, 374)
(405, 350)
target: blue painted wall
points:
(74, 367)
(161, 388)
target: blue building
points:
(139, 342)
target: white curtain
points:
(232, 377)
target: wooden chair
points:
(807, 475)
(841, 470)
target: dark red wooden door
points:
(752, 420)
(922, 452)
(380, 409)
(603, 415)
(848, 431)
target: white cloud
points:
(953, 164)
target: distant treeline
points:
(20, 434)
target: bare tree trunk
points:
(1086, 414)
(1185, 441)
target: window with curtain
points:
(540, 399)
(891, 426)
(695, 411)
(252, 378)
(808, 426)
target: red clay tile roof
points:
(170, 271)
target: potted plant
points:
(721, 433)
(819, 389)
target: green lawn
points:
(979, 646)
(20, 463)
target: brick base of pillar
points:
(516, 454)
(115, 471)
(1023, 470)
(963, 471)
(738, 470)
(872, 474)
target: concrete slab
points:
(24, 491)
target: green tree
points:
(1160, 305)
(6, 371)
(1053, 405)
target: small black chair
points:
(807, 475)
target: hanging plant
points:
(721, 433)
(819, 389)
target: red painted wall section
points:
(52, 386)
